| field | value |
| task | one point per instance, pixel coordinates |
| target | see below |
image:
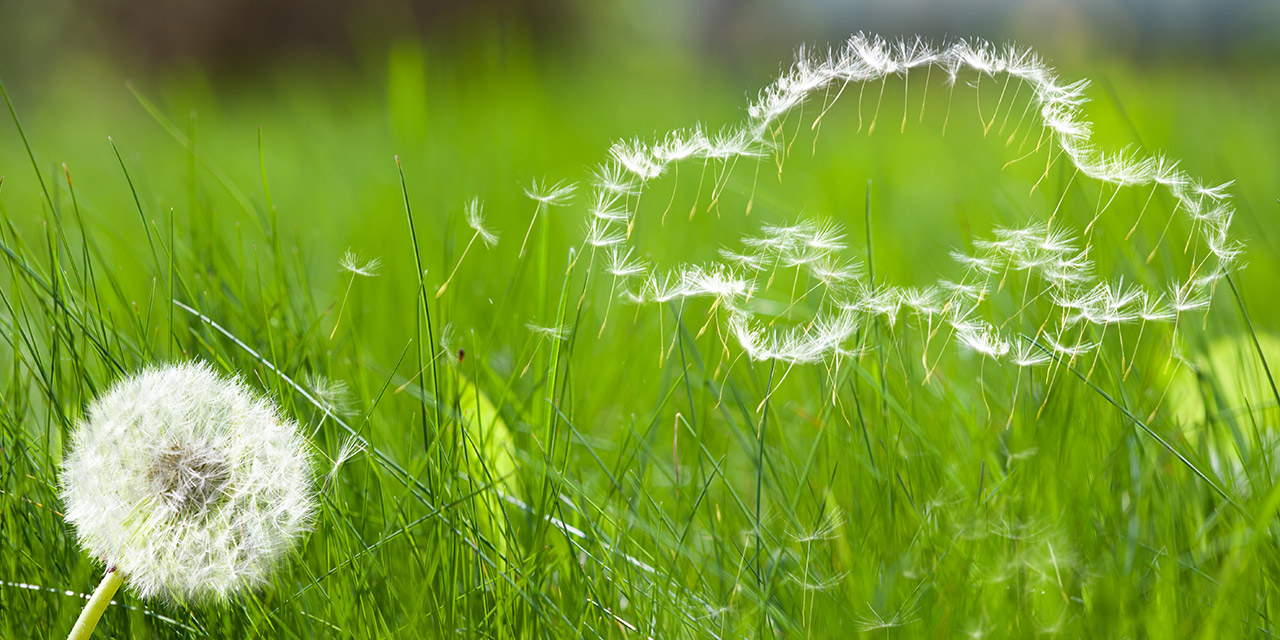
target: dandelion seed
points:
(474, 214)
(828, 237)
(351, 447)
(926, 301)
(351, 262)
(743, 260)
(1055, 241)
(973, 292)
(717, 282)
(621, 265)
(822, 584)
(1027, 354)
(547, 196)
(634, 156)
(1189, 298)
(975, 263)
(832, 273)
(551, 195)
(680, 145)
(827, 529)
(186, 484)
(331, 394)
(663, 288)
(803, 255)
(602, 234)
(449, 344)
(1069, 350)
(900, 618)
(554, 333)
(611, 177)
(1218, 192)
(606, 208)
(982, 338)
(1154, 310)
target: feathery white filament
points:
(1045, 251)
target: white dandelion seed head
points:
(189, 483)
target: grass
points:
(631, 479)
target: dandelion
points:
(186, 484)
(474, 213)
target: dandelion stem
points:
(97, 604)
(342, 307)
(440, 291)
(536, 210)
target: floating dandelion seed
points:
(186, 484)
(552, 195)
(351, 447)
(352, 264)
(474, 214)
(547, 196)
(553, 333)
(612, 177)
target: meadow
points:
(513, 443)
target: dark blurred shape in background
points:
(237, 35)
(230, 38)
